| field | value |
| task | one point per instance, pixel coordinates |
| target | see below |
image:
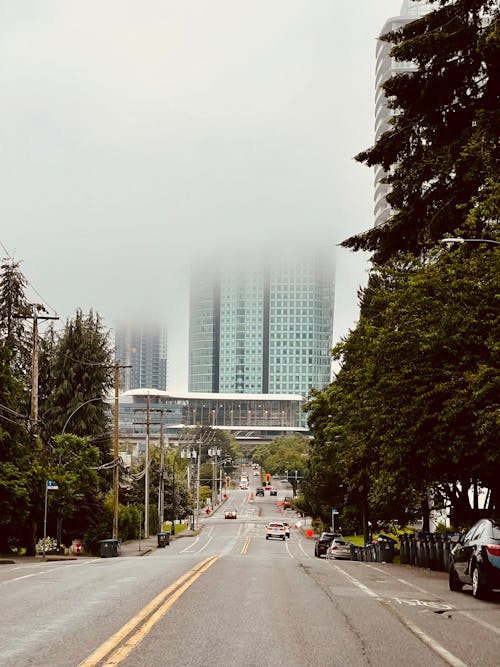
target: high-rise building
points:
(385, 68)
(262, 328)
(142, 349)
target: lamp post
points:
(460, 239)
(191, 455)
(214, 452)
(50, 485)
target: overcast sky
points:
(138, 135)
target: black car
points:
(259, 491)
(323, 542)
(475, 558)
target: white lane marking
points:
(26, 576)
(189, 548)
(287, 548)
(302, 549)
(424, 637)
(486, 625)
(434, 645)
(205, 545)
(357, 583)
(417, 588)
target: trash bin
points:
(110, 548)
(163, 539)
(385, 549)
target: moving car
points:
(339, 549)
(273, 492)
(323, 542)
(276, 529)
(287, 528)
(475, 558)
(231, 514)
(259, 491)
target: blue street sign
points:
(52, 485)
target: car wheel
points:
(267, 537)
(479, 586)
(454, 582)
(284, 538)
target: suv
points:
(276, 529)
(259, 491)
(323, 542)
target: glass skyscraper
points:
(385, 68)
(142, 349)
(262, 328)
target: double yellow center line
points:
(123, 642)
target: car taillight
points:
(493, 549)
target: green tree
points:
(442, 152)
(79, 379)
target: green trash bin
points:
(110, 548)
(163, 539)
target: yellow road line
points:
(245, 546)
(182, 583)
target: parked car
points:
(276, 529)
(231, 514)
(475, 558)
(323, 542)
(259, 491)
(273, 492)
(339, 549)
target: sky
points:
(138, 137)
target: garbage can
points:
(110, 548)
(163, 539)
(385, 549)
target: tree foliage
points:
(414, 412)
(442, 153)
(77, 380)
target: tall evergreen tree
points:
(442, 153)
(80, 379)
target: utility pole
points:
(35, 309)
(115, 455)
(116, 439)
(146, 474)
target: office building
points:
(142, 349)
(385, 68)
(262, 328)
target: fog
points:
(138, 137)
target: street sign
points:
(52, 485)
(334, 512)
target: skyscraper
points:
(262, 328)
(144, 349)
(385, 68)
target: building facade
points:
(385, 68)
(142, 350)
(262, 328)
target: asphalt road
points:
(228, 596)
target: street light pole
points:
(460, 239)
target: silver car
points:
(339, 549)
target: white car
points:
(276, 529)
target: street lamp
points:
(91, 400)
(190, 455)
(214, 452)
(50, 485)
(460, 239)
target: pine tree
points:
(442, 153)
